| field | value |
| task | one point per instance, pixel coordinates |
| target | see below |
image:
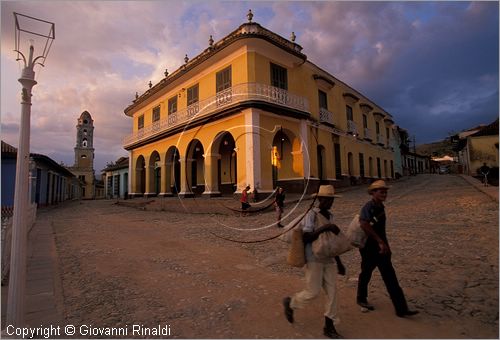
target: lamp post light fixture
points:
(26, 27)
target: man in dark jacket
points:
(377, 254)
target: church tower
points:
(84, 149)
(84, 155)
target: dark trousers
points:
(371, 259)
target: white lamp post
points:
(25, 27)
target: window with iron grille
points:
(156, 113)
(377, 128)
(279, 77)
(323, 102)
(192, 95)
(140, 122)
(172, 105)
(348, 111)
(365, 122)
(223, 79)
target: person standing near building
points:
(485, 170)
(377, 253)
(279, 203)
(244, 200)
(319, 273)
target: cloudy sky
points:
(432, 65)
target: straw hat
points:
(326, 191)
(380, 184)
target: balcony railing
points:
(325, 116)
(233, 95)
(380, 140)
(352, 128)
(368, 134)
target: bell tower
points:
(84, 155)
(84, 149)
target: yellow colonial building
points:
(251, 109)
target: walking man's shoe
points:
(288, 309)
(407, 313)
(365, 305)
(329, 329)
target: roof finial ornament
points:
(293, 37)
(249, 15)
(211, 41)
(166, 73)
(150, 84)
(186, 59)
(136, 95)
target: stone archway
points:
(226, 166)
(171, 177)
(140, 176)
(193, 181)
(281, 156)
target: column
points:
(149, 181)
(131, 174)
(211, 175)
(306, 157)
(166, 175)
(185, 175)
(252, 152)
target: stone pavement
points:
(44, 302)
(43, 289)
(490, 190)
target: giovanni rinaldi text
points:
(87, 330)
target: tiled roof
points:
(7, 148)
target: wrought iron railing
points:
(380, 139)
(325, 116)
(236, 94)
(368, 133)
(352, 127)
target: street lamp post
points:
(24, 26)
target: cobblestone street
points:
(160, 263)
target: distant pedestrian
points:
(377, 254)
(279, 204)
(244, 200)
(319, 273)
(255, 195)
(485, 170)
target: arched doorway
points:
(350, 164)
(155, 173)
(173, 173)
(140, 176)
(226, 163)
(195, 167)
(281, 157)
